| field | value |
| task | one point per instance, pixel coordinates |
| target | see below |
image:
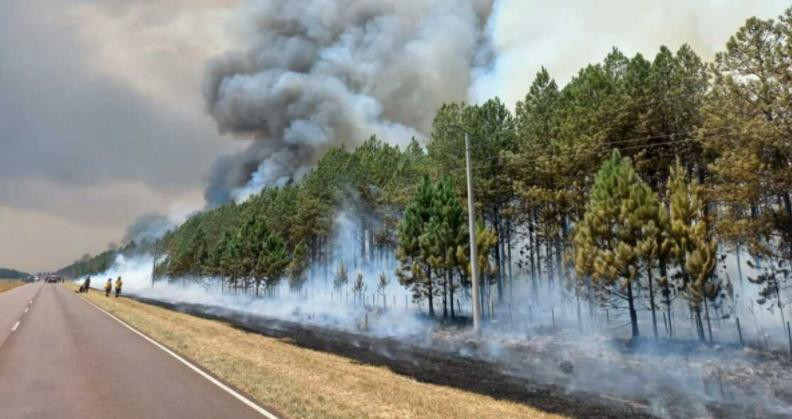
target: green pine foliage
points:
(692, 244)
(703, 156)
(415, 247)
(609, 239)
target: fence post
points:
(739, 331)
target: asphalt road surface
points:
(61, 357)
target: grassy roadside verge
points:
(7, 284)
(300, 382)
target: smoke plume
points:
(323, 73)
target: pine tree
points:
(486, 240)
(382, 285)
(655, 248)
(493, 137)
(753, 156)
(414, 251)
(231, 259)
(447, 232)
(341, 277)
(200, 252)
(692, 246)
(272, 261)
(358, 288)
(296, 268)
(608, 240)
(252, 235)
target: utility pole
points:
(473, 250)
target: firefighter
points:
(118, 285)
(108, 287)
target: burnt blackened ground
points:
(603, 377)
(423, 364)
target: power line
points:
(717, 133)
(697, 133)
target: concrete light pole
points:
(473, 246)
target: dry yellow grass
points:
(7, 284)
(303, 383)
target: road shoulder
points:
(303, 382)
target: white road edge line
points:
(229, 390)
(13, 329)
(27, 309)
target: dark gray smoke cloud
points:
(320, 73)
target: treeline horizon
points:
(8, 273)
(637, 174)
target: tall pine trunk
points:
(788, 208)
(451, 294)
(667, 296)
(699, 323)
(509, 263)
(498, 255)
(549, 261)
(445, 295)
(633, 314)
(707, 315)
(431, 292)
(559, 247)
(780, 306)
(652, 299)
(532, 243)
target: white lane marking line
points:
(13, 329)
(229, 390)
(27, 309)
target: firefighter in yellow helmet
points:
(108, 287)
(118, 285)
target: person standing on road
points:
(87, 284)
(108, 287)
(118, 285)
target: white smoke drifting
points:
(565, 36)
(540, 340)
(318, 303)
(322, 73)
(545, 338)
(151, 227)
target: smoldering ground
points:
(541, 340)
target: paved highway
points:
(61, 357)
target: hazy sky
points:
(102, 118)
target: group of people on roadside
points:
(108, 286)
